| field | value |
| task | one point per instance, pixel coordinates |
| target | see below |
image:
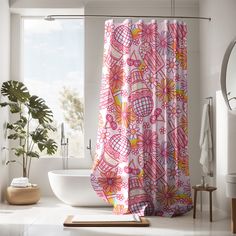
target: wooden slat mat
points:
(143, 223)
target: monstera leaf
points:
(14, 106)
(49, 127)
(39, 110)
(19, 125)
(50, 145)
(15, 91)
(22, 121)
(33, 154)
(19, 151)
(17, 135)
(39, 135)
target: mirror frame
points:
(224, 72)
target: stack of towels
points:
(21, 182)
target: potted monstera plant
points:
(30, 130)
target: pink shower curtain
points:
(141, 163)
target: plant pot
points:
(22, 196)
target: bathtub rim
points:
(71, 172)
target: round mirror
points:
(228, 76)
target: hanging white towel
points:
(206, 141)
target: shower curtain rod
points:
(53, 17)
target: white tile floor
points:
(46, 219)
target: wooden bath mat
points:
(142, 223)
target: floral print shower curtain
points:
(141, 162)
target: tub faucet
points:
(89, 147)
(64, 148)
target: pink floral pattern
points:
(110, 182)
(141, 161)
(148, 142)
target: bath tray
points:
(142, 223)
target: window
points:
(53, 68)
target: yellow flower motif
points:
(120, 209)
(167, 195)
(183, 165)
(182, 95)
(142, 66)
(136, 33)
(110, 182)
(181, 56)
(125, 115)
(166, 90)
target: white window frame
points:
(16, 73)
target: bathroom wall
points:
(214, 39)
(37, 4)
(94, 30)
(4, 75)
(46, 7)
(94, 52)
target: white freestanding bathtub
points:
(73, 187)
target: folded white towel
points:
(104, 218)
(20, 182)
(205, 141)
